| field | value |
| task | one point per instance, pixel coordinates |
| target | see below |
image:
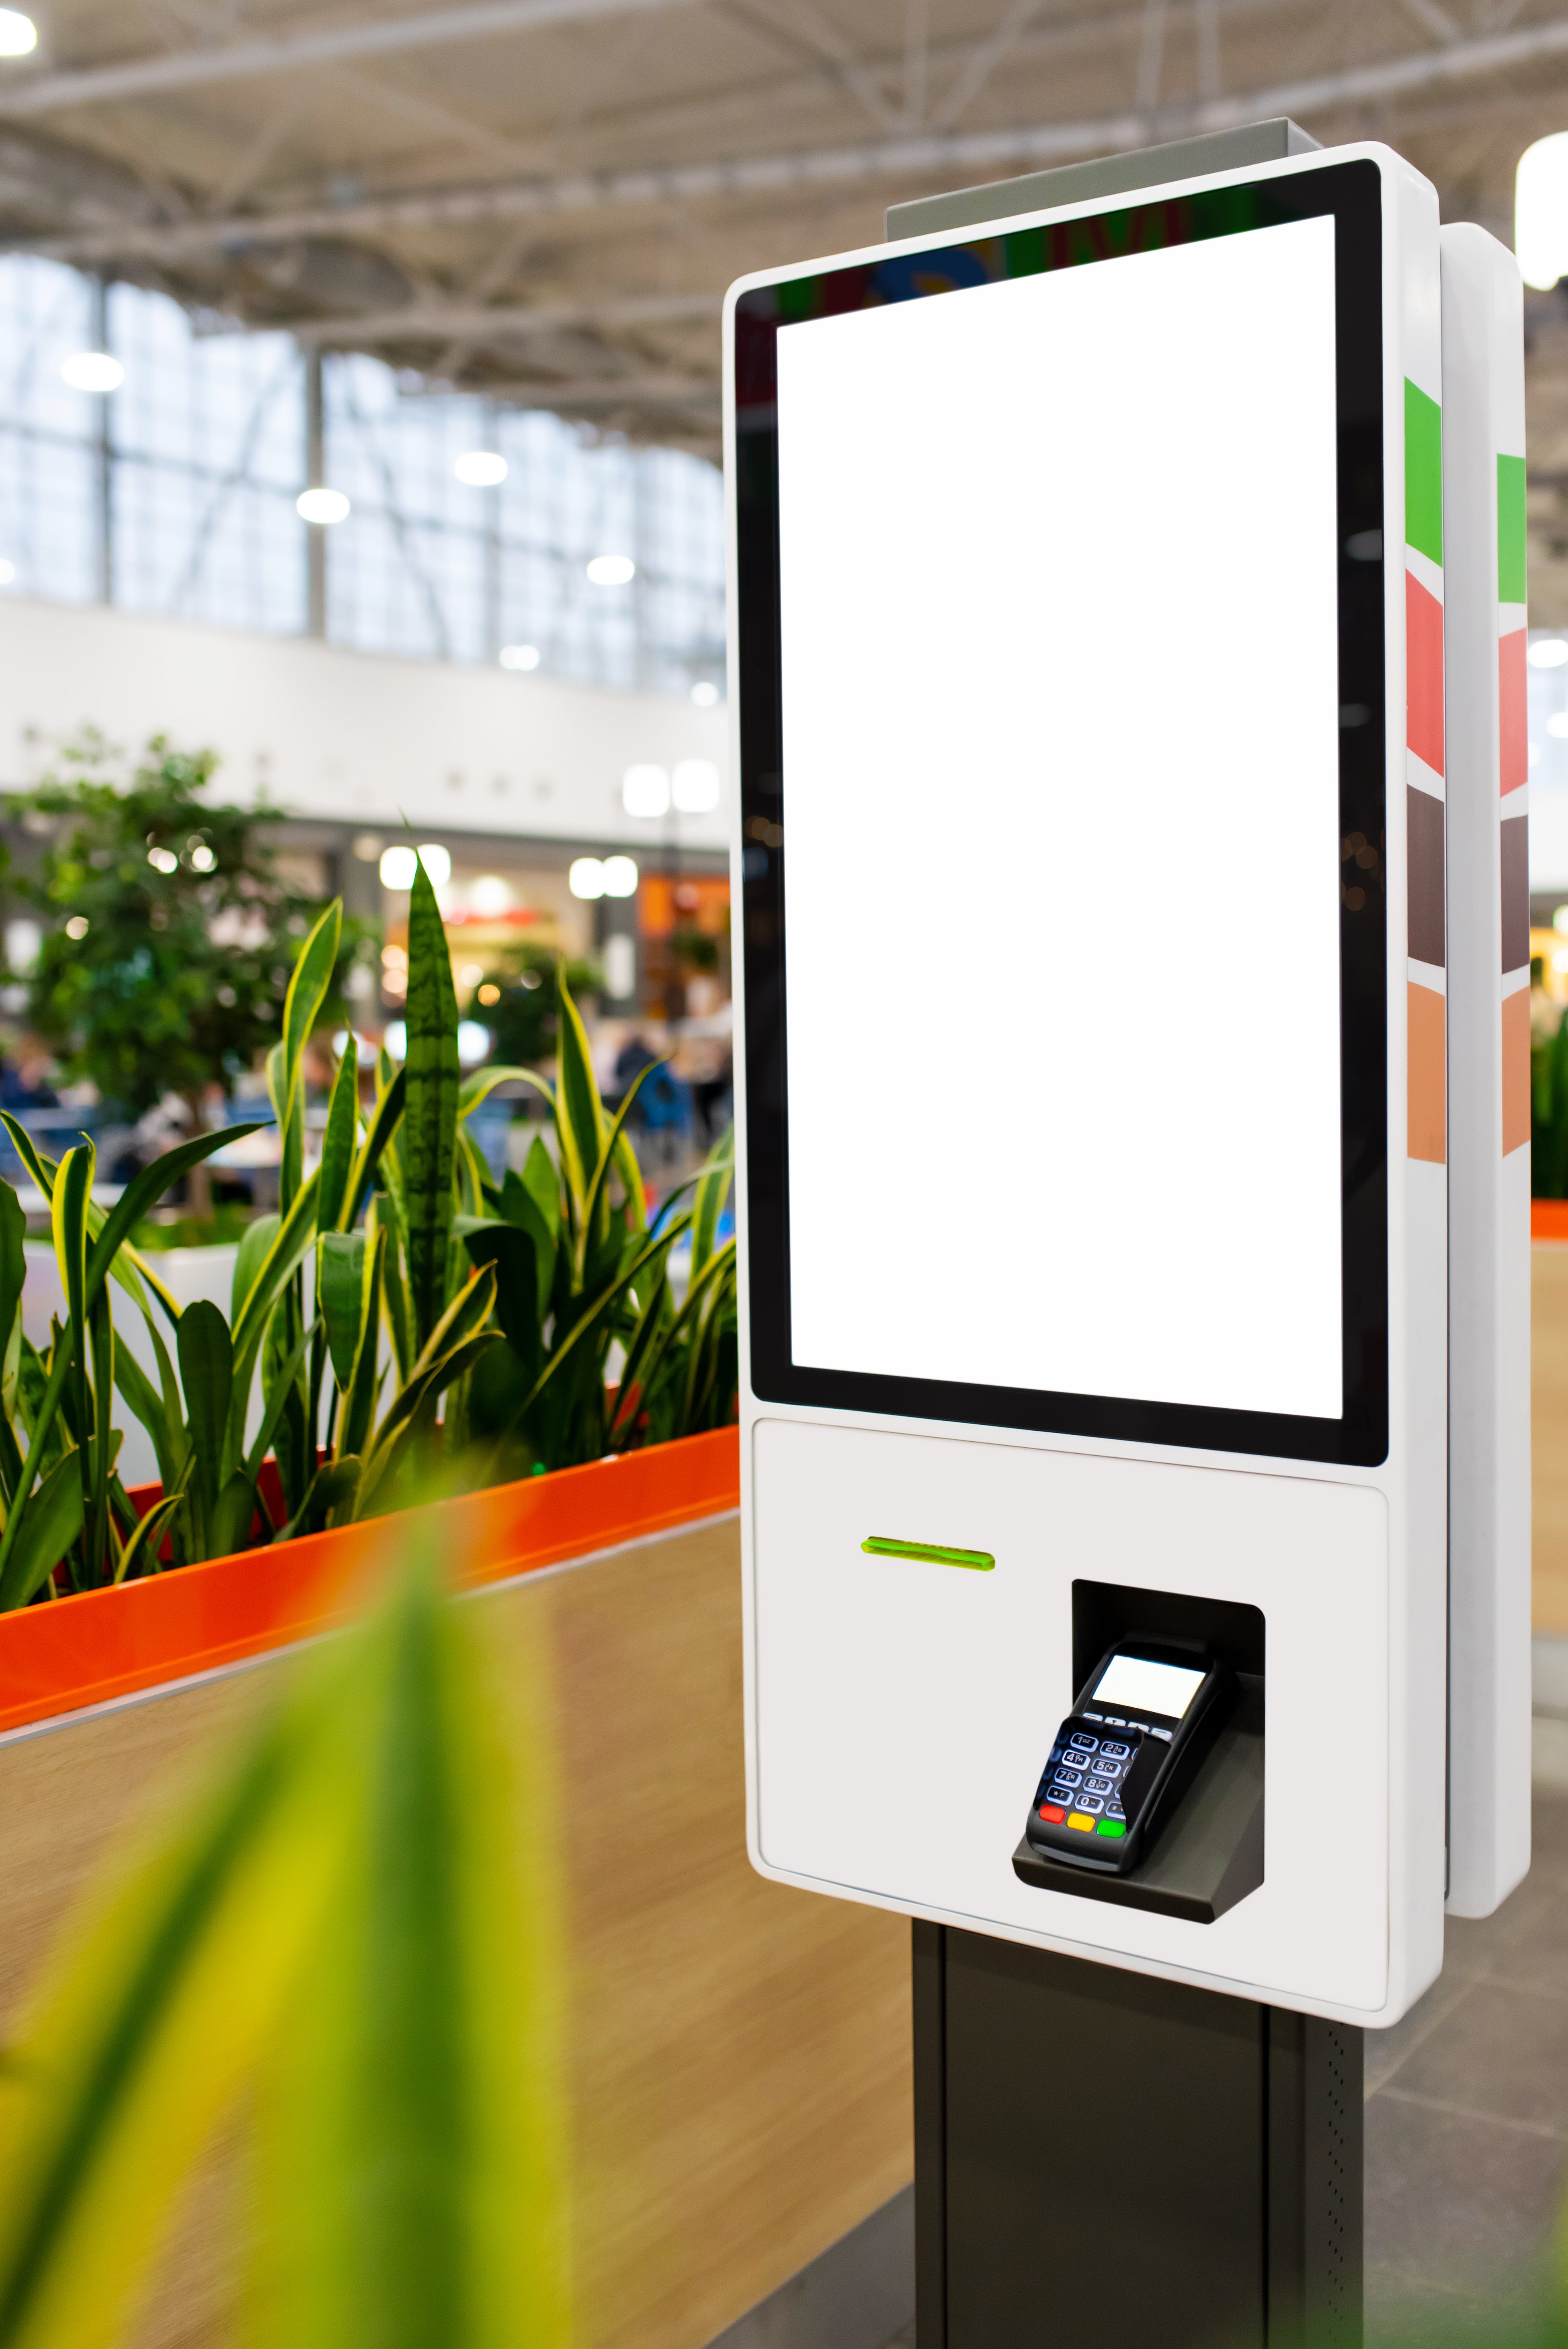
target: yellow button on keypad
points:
(1081, 1820)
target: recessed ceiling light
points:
(585, 878)
(695, 782)
(704, 693)
(611, 570)
(645, 791)
(1541, 211)
(519, 656)
(482, 468)
(93, 371)
(323, 506)
(18, 33)
(1548, 652)
(620, 876)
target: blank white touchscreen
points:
(1060, 740)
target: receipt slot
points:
(1109, 1024)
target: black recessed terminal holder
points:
(1206, 1851)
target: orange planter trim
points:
(1548, 1219)
(72, 1652)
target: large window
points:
(176, 494)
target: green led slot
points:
(979, 1561)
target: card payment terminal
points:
(1140, 1725)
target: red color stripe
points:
(1513, 721)
(1423, 674)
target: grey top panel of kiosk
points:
(1107, 175)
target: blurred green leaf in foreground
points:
(351, 1936)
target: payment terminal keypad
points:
(1081, 1785)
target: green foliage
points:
(526, 1020)
(405, 1315)
(175, 986)
(1548, 1116)
(337, 1939)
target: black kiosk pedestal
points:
(1102, 2156)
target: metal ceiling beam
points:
(617, 391)
(51, 93)
(974, 153)
(438, 321)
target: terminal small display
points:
(1139, 1684)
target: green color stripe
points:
(1512, 581)
(1423, 473)
(931, 1553)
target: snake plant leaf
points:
(162, 2004)
(403, 1416)
(712, 1190)
(565, 1348)
(412, 2131)
(13, 1258)
(341, 1274)
(129, 1266)
(479, 1085)
(543, 1184)
(607, 1154)
(229, 1518)
(68, 1213)
(140, 1554)
(468, 1311)
(281, 1260)
(431, 1116)
(146, 1188)
(255, 1242)
(337, 1142)
(49, 1524)
(511, 1252)
(145, 1403)
(207, 1377)
(283, 1388)
(521, 1203)
(361, 1389)
(580, 1116)
(383, 1126)
(307, 988)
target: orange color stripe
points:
(1427, 1087)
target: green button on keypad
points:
(1110, 1827)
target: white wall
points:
(349, 735)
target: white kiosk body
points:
(1087, 580)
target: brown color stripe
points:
(1515, 1071)
(1515, 866)
(1427, 1047)
(1427, 939)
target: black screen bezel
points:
(1351, 193)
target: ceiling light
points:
(695, 784)
(398, 868)
(482, 468)
(76, 927)
(367, 846)
(18, 33)
(1557, 724)
(519, 656)
(396, 1040)
(93, 371)
(585, 878)
(437, 862)
(1559, 919)
(645, 791)
(620, 876)
(470, 974)
(1548, 652)
(163, 860)
(202, 859)
(1541, 210)
(321, 506)
(473, 1042)
(7, 572)
(704, 693)
(611, 570)
(490, 896)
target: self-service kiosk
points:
(1133, 1181)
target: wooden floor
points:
(1549, 1433)
(738, 2052)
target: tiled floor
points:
(1467, 2118)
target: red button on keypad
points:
(1053, 1812)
